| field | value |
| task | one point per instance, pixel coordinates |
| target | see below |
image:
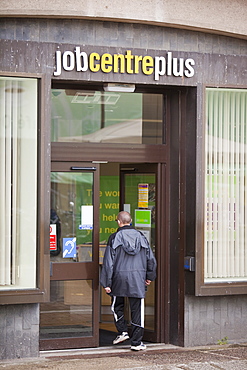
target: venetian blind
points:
(8, 154)
(225, 249)
(18, 182)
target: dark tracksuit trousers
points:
(137, 317)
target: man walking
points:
(128, 266)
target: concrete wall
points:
(222, 16)
(209, 319)
(19, 331)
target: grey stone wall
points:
(19, 331)
(115, 34)
(227, 16)
(209, 319)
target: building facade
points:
(104, 110)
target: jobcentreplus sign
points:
(81, 61)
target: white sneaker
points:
(121, 338)
(138, 348)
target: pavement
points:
(120, 357)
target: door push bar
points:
(83, 168)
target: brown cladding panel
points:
(35, 57)
(111, 153)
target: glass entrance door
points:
(71, 318)
(139, 197)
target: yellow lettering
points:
(147, 65)
(110, 230)
(112, 193)
(89, 192)
(106, 63)
(111, 205)
(120, 63)
(116, 59)
(129, 57)
(93, 57)
(109, 218)
(137, 60)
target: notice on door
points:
(86, 218)
(53, 237)
(143, 218)
(142, 195)
(69, 247)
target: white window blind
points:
(225, 248)
(18, 182)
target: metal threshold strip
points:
(109, 350)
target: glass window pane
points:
(109, 205)
(135, 199)
(69, 313)
(225, 257)
(71, 217)
(106, 117)
(132, 183)
(18, 185)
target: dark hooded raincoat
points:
(128, 263)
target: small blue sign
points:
(86, 227)
(69, 247)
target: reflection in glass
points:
(72, 215)
(69, 313)
(106, 117)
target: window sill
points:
(214, 289)
(22, 296)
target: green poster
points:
(142, 218)
(109, 206)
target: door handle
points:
(129, 169)
(83, 168)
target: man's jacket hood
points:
(130, 241)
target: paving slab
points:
(157, 356)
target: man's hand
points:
(148, 282)
(107, 289)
